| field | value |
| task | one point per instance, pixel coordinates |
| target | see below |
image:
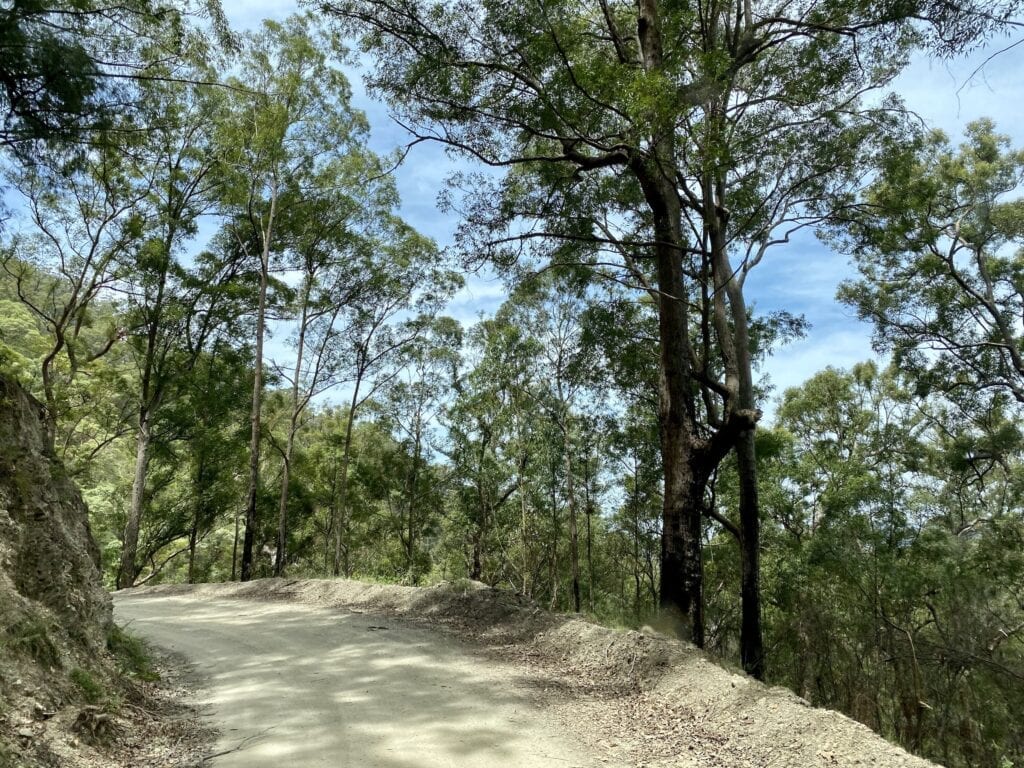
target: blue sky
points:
(801, 277)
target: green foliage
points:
(132, 657)
(938, 242)
(31, 637)
(892, 565)
(524, 451)
(50, 79)
(92, 691)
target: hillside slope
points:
(70, 693)
(640, 698)
(55, 616)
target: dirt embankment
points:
(642, 699)
(67, 697)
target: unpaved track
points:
(293, 686)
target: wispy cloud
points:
(840, 347)
(482, 294)
(950, 94)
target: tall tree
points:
(178, 159)
(478, 422)
(329, 251)
(85, 224)
(403, 275)
(290, 115)
(937, 239)
(552, 315)
(411, 406)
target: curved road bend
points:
(293, 686)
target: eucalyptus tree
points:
(68, 68)
(84, 225)
(497, 451)
(163, 302)
(209, 417)
(410, 406)
(552, 316)
(937, 239)
(404, 284)
(329, 251)
(479, 425)
(289, 114)
(895, 566)
(641, 130)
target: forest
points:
(247, 360)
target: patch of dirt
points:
(141, 724)
(640, 698)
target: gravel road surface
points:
(294, 686)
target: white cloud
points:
(839, 347)
(481, 294)
(950, 94)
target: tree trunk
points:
(589, 511)
(524, 519)
(282, 505)
(476, 566)
(257, 398)
(681, 594)
(574, 539)
(637, 569)
(735, 345)
(193, 539)
(751, 642)
(234, 550)
(127, 571)
(342, 563)
(49, 390)
(293, 426)
(681, 589)
(410, 555)
(553, 582)
(524, 532)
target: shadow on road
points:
(299, 686)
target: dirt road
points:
(294, 686)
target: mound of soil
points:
(642, 698)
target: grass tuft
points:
(132, 657)
(92, 691)
(31, 637)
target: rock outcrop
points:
(55, 616)
(49, 562)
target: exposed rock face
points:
(49, 562)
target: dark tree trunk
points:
(734, 342)
(751, 644)
(476, 566)
(254, 437)
(341, 563)
(574, 537)
(293, 428)
(681, 594)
